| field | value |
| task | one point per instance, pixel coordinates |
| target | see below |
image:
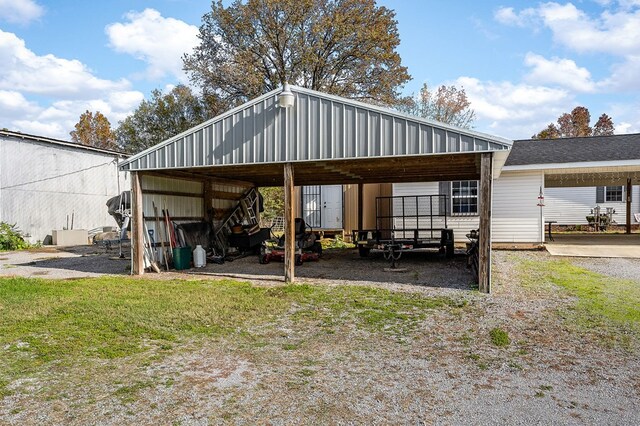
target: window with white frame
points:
(464, 197)
(613, 194)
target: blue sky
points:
(522, 63)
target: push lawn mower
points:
(307, 248)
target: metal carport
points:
(320, 139)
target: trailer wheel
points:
(298, 260)
(317, 248)
(364, 251)
(450, 251)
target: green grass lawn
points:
(45, 323)
(606, 306)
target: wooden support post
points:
(629, 191)
(289, 225)
(360, 207)
(137, 226)
(484, 266)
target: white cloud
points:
(45, 95)
(13, 101)
(613, 32)
(158, 41)
(508, 16)
(558, 71)
(58, 119)
(20, 11)
(39, 128)
(625, 127)
(514, 110)
(626, 116)
(24, 71)
(625, 75)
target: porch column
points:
(484, 266)
(629, 190)
(289, 225)
(137, 226)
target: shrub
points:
(11, 238)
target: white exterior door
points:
(331, 206)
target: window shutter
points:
(445, 189)
(599, 194)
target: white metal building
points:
(45, 183)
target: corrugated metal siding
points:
(41, 183)
(178, 206)
(317, 127)
(570, 206)
(516, 216)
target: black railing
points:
(412, 216)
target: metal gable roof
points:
(318, 127)
(59, 142)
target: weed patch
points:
(499, 337)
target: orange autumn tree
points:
(577, 124)
(94, 130)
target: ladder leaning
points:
(245, 210)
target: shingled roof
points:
(575, 150)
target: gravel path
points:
(447, 372)
(613, 267)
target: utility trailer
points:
(405, 223)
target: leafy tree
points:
(343, 47)
(273, 202)
(604, 126)
(94, 130)
(551, 132)
(448, 105)
(161, 117)
(576, 124)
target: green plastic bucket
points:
(182, 258)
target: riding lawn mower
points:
(306, 245)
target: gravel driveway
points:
(448, 372)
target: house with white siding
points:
(574, 174)
(48, 184)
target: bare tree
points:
(448, 105)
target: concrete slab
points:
(625, 251)
(595, 245)
(59, 263)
